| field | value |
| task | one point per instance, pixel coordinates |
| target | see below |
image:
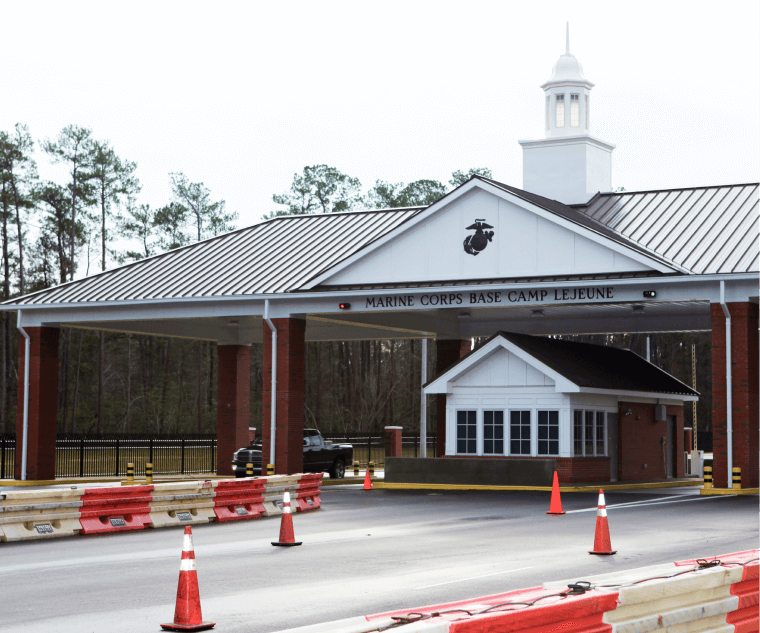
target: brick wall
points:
(393, 441)
(291, 386)
(640, 442)
(233, 405)
(43, 403)
(745, 392)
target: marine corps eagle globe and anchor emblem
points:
(473, 244)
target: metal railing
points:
(372, 445)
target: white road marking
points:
(509, 571)
(652, 502)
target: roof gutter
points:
(273, 399)
(729, 403)
(25, 432)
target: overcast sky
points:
(240, 95)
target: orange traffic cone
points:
(555, 507)
(187, 613)
(367, 481)
(287, 538)
(602, 543)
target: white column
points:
(423, 401)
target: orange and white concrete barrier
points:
(181, 503)
(38, 514)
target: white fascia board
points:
(640, 394)
(568, 140)
(749, 282)
(562, 384)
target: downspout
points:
(25, 432)
(729, 403)
(273, 403)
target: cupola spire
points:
(567, 38)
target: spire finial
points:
(567, 39)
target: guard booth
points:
(520, 407)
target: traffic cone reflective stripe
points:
(287, 538)
(187, 613)
(367, 481)
(602, 544)
(555, 507)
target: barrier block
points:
(182, 503)
(121, 509)
(274, 489)
(308, 493)
(746, 618)
(237, 499)
(39, 514)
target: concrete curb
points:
(728, 491)
(383, 485)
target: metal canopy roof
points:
(706, 230)
(703, 230)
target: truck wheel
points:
(338, 469)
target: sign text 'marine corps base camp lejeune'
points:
(494, 297)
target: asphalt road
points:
(363, 552)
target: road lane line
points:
(654, 502)
(498, 573)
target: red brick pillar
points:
(291, 387)
(43, 403)
(233, 403)
(251, 435)
(393, 441)
(447, 353)
(744, 379)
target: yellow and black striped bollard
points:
(130, 473)
(270, 469)
(737, 478)
(149, 473)
(249, 470)
(356, 468)
(708, 477)
(372, 469)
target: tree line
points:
(53, 232)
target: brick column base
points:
(291, 388)
(43, 403)
(745, 392)
(393, 441)
(447, 353)
(233, 404)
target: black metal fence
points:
(108, 455)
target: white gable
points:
(523, 244)
(503, 369)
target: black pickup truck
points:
(318, 456)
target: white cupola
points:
(567, 165)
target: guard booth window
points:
(493, 432)
(589, 433)
(467, 428)
(548, 432)
(519, 432)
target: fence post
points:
(150, 445)
(117, 458)
(81, 457)
(213, 456)
(182, 467)
(417, 445)
(2, 458)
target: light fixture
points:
(344, 306)
(628, 412)
(537, 313)
(650, 294)
(233, 322)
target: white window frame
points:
(575, 110)
(478, 434)
(482, 430)
(531, 426)
(559, 98)
(559, 431)
(583, 412)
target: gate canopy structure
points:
(563, 255)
